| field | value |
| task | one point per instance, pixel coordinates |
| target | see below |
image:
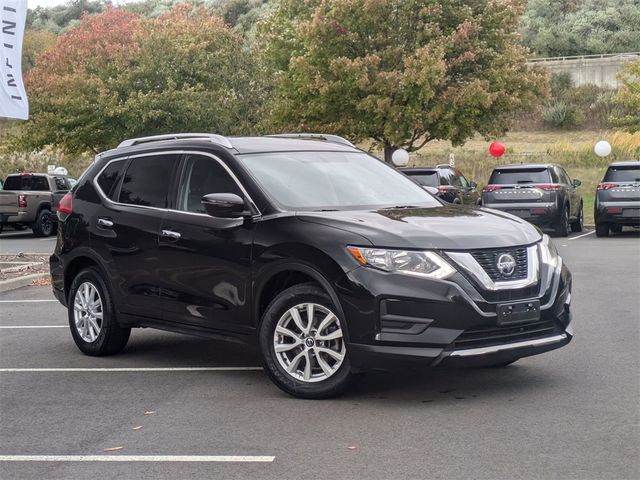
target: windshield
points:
(520, 176)
(625, 173)
(333, 181)
(428, 179)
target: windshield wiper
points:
(399, 207)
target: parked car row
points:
(544, 194)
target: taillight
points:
(66, 204)
(548, 187)
(606, 186)
(491, 188)
(22, 200)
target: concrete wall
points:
(600, 70)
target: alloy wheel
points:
(309, 343)
(87, 312)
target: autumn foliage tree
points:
(402, 72)
(118, 75)
(628, 98)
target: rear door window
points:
(521, 176)
(60, 183)
(625, 173)
(147, 181)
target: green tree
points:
(628, 98)
(570, 27)
(402, 72)
(119, 75)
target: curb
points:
(18, 282)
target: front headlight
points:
(549, 252)
(423, 264)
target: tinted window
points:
(201, 176)
(463, 181)
(629, 173)
(448, 177)
(146, 181)
(333, 180)
(564, 176)
(428, 179)
(519, 176)
(110, 177)
(36, 183)
(60, 183)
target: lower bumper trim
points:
(539, 342)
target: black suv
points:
(618, 198)
(452, 185)
(329, 259)
(544, 195)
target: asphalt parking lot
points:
(573, 413)
(13, 242)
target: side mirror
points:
(431, 190)
(473, 184)
(224, 205)
(576, 183)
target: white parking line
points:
(131, 369)
(27, 301)
(583, 235)
(9, 327)
(136, 458)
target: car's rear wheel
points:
(562, 228)
(44, 224)
(579, 222)
(303, 343)
(92, 317)
(602, 229)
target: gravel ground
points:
(13, 266)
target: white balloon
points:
(602, 148)
(400, 157)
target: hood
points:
(445, 228)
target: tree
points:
(119, 75)
(569, 27)
(628, 98)
(402, 72)
(35, 42)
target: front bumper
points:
(398, 320)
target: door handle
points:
(171, 234)
(105, 222)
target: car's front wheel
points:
(303, 344)
(92, 317)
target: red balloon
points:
(496, 149)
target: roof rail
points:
(315, 136)
(212, 137)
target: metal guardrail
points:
(579, 57)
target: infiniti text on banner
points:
(13, 98)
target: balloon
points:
(400, 158)
(602, 148)
(496, 149)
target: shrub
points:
(559, 114)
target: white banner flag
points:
(13, 98)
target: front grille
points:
(511, 294)
(490, 336)
(488, 260)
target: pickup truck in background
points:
(31, 199)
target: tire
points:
(562, 229)
(616, 228)
(317, 381)
(578, 225)
(105, 337)
(1, 227)
(44, 224)
(602, 229)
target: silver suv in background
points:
(618, 198)
(542, 194)
(31, 199)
